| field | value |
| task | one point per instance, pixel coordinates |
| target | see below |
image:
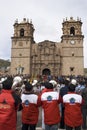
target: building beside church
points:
(48, 57)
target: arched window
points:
(22, 32)
(72, 31)
(71, 68)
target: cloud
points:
(47, 17)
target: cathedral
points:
(47, 57)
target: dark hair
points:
(71, 87)
(48, 85)
(67, 82)
(7, 84)
(28, 86)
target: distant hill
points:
(4, 63)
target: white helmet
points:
(3, 79)
(53, 82)
(16, 80)
(34, 82)
(73, 81)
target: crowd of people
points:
(63, 100)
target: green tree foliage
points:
(4, 63)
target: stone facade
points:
(47, 57)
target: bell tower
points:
(72, 47)
(22, 41)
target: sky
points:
(47, 17)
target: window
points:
(72, 53)
(71, 68)
(22, 32)
(72, 31)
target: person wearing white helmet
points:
(17, 83)
(55, 86)
(34, 84)
(1, 81)
(16, 80)
(53, 82)
(74, 82)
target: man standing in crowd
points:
(9, 103)
(63, 91)
(84, 106)
(49, 101)
(30, 111)
(73, 113)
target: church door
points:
(46, 72)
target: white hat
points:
(2, 80)
(16, 80)
(53, 82)
(42, 87)
(34, 82)
(73, 81)
(68, 79)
